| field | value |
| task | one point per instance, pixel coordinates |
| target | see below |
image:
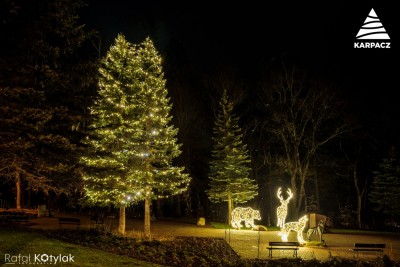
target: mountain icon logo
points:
(372, 29)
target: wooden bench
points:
(10, 217)
(75, 221)
(283, 246)
(367, 247)
(20, 218)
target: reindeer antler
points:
(289, 193)
(279, 194)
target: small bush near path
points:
(176, 251)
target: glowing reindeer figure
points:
(281, 211)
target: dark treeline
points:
(307, 128)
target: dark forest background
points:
(48, 79)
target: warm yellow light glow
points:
(281, 211)
(248, 215)
(294, 226)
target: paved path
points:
(249, 244)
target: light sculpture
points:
(248, 215)
(281, 211)
(294, 226)
(318, 230)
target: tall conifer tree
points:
(229, 170)
(132, 143)
(385, 187)
(44, 95)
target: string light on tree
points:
(229, 171)
(131, 141)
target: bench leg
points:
(355, 254)
(294, 253)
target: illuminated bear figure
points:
(248, 215)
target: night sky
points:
(251, 37)
(247, 35)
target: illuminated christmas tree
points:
(132, 143)
(229, 170)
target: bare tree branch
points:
(303, 118)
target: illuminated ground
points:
(248, 244)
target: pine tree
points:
(45, 94)
(133, 144)
(385, 188)
(157, 141)
(109, 142)
(66, 66)
(22, 122)
(229, 171)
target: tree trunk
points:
(272, 209)
(316, 191)
(121, 224)
(28, 200)
(360, 194)
(147, 202)
(295, 203)
(298, 174)
(302, 196)
(178, 206)
(159, 208)
(230, 207)
(18, 190)
(359, 203)
(303, 176)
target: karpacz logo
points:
(371, 31)
(371, 45)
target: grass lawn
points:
(16, 241)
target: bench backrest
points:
(69, 220)
(284, 244)
(366, 245)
